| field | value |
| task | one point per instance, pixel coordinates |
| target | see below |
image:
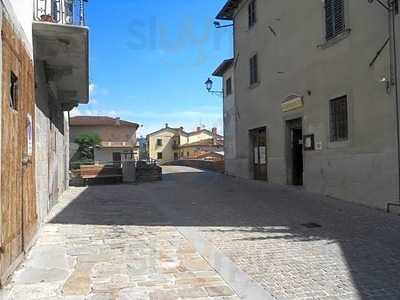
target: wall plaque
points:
(292, 104)
(309, 143)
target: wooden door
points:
(258, 139)
(117, 159)
(18, 217)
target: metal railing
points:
(75, 165)
(66, 12)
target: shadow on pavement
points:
(251, 212)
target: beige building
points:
(314, 96)
(118, 138)
(225, 71)
(169, 144)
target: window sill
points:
(338, 144)
(335, 40)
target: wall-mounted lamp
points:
(209, 85)
(218, 25)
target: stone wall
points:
(215, 166)
(52, 146)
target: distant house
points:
(118, 137)
(168, 144)
(200, 148)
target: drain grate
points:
(311, 225)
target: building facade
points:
(118, 138)
(44, 70)
(314, 97)
(169, 144)
(225, 71)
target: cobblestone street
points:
(191, 235)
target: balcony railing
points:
(66, 12)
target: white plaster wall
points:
(105, 155)
(21, 11)
(49, 178)
(362, 170)
(42, 126)
(230, 117)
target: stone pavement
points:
(355, 254)
(101, 255)
(147, 242)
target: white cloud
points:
(92, 88)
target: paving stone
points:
(109, 259)
(218, 291)
(36, 275)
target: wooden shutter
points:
(334, 18)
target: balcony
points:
(115, 144)
(66, 12)
(60, 40)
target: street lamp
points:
(218, 25)
(209, 85)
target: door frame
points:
(254, 133)
(291, 124)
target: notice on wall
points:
(263, 156)
(29, 135)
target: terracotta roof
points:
(100, 120)
(228, 11)
(177, 130)
(225, 65)
(206, 131)
(208, 142)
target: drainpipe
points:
(392, 7)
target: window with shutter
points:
(228, 86)
(334, 18)
(339, 119)
(253, 70)
(252, 13)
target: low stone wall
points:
(148, 173)
(215, 166)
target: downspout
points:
(394, 82)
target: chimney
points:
(214, 131)
(198, 129)
(166, 125)
(118, 121)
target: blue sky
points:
(149, 60)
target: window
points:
(159, 155)
(13, 91)
(159, 142)
(334, 18)
(228, 86)
(252, 13)
(339, 119)
(253, 70)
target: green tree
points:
(87, 142)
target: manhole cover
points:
(311, 225)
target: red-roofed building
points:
(118, 137)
